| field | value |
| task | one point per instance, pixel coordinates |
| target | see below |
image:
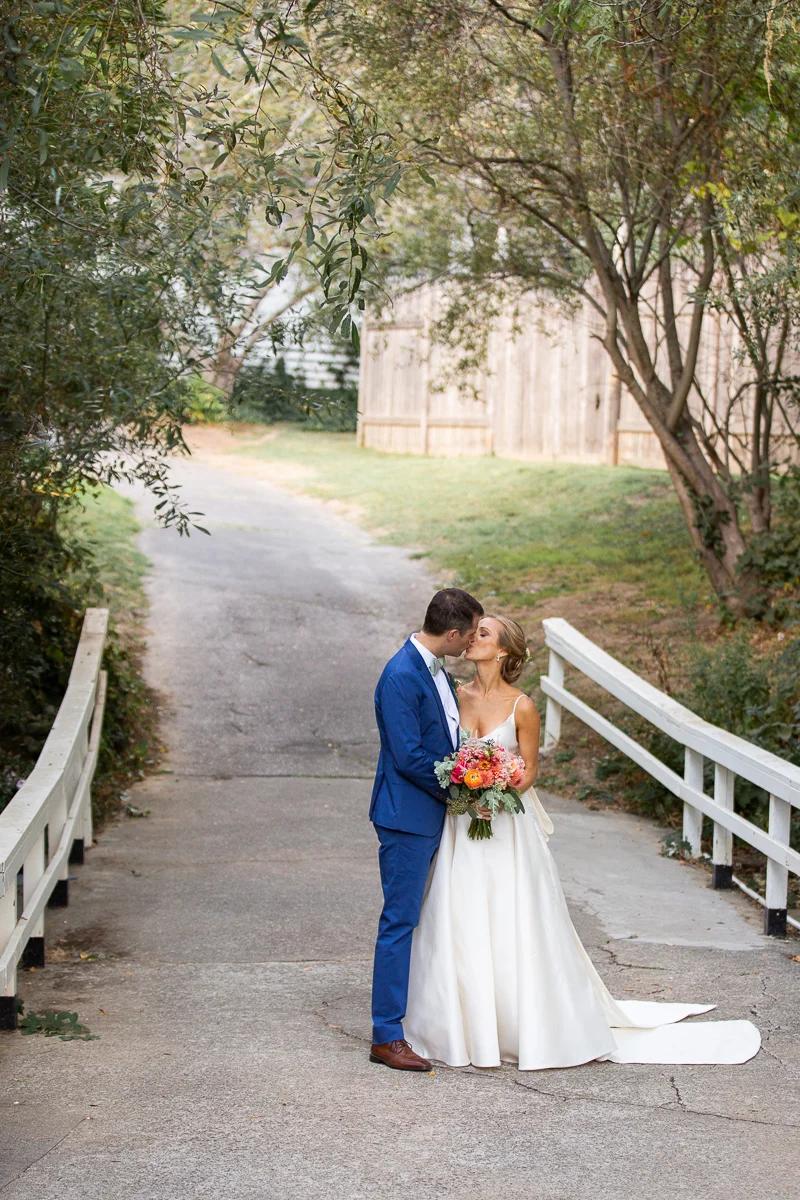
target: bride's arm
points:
(528, 738)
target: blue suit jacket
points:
(414, 735)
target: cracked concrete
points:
(233, 930)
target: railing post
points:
(722, 854)
(59, 897)
(8, 919)
(552, 717)
(86, 824)
(88, 828)
(692, 817)
(32, 871)
(780, 817)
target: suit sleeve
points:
(402, 732)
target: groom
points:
(417, 716)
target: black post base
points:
(9, 1008)
(76, 851)
(775, 922)
(59, 897)
(721, 876)
(33, 954)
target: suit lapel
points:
(420, 664)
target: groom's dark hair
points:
(451, 608)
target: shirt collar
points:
(427, 656)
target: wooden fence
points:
(48, 824)
(547, 391)
(731, 756)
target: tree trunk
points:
(709, 510)
(223, 372)
(712, 519)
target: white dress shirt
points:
(443, 688)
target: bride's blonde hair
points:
(512, 640)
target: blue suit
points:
(408, 810)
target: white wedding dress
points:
(498, 972)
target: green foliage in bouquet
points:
(481, 775)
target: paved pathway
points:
(233, 928)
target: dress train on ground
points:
(499, 974)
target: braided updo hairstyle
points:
(511, 639)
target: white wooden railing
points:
(49, 821)
(701, 740)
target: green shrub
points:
(268, 393)
(42, 605)
(68, 567)
(205, 404)
(775, 555)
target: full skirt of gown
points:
(499, 974)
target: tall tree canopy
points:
(642, 155)
(136, 148)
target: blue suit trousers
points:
(404, 860)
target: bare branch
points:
(681, 392)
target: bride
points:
(498, 973)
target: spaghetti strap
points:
(516, 702)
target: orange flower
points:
(473, 779)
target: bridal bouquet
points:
(481, 774)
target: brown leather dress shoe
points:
(399, 1056)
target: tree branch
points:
(681, 393)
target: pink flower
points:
(458, 772)
(517, 771)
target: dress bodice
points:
(505, 734)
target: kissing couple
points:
(477, 960)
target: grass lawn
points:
(105, 523)
(515, 533)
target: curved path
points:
(229, 934)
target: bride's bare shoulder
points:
(524, 705)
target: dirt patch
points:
(622, 623)
(350, 512)
(218, 446)
(83, 945)
(224, 438)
